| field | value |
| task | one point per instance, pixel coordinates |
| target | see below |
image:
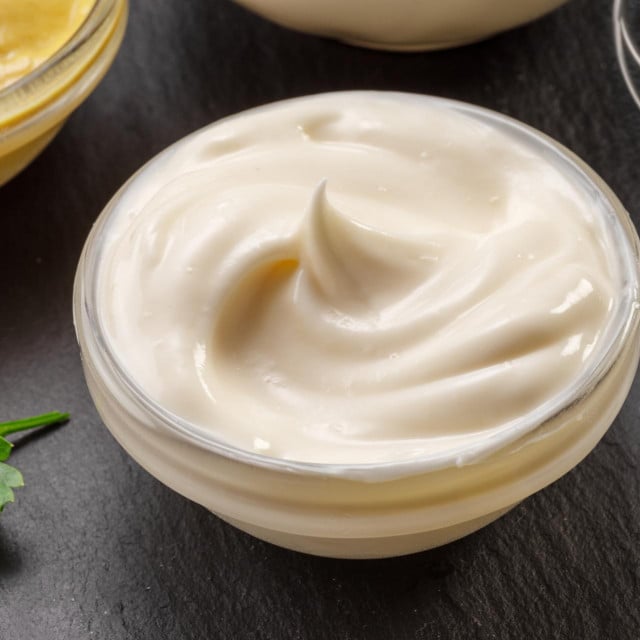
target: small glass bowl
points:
(34, 108)
(402, 25)
(371, 510)
(626, 32)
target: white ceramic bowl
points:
(402, 25)
(371, 510)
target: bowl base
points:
(411, 48)
(367, 548)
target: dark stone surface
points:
(95, 548)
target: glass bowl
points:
(402, 25)
(381, 509)
(33, 108)
(626, 28)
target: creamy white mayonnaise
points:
(355, 278)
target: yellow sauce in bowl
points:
(31, 31)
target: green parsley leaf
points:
(5, 449)
(10, 477)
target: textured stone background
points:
(96, 548)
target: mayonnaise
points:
(355, 278)
(402, 24)
(31, 31)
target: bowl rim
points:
(627, 47)
(620, 327)
(26, 87)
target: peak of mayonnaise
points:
(340, 255)
(355, 278)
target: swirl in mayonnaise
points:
(355, 278)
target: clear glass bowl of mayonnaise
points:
(360, 324)
(51, 58)
(402, 25)
(626, 25)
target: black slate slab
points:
(95, 548)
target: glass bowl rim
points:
(626, 45)
(101, 12)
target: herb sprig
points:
(10, 477)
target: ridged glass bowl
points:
(368, 510)
(402, 25)
(34, 108)
(626, 27)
